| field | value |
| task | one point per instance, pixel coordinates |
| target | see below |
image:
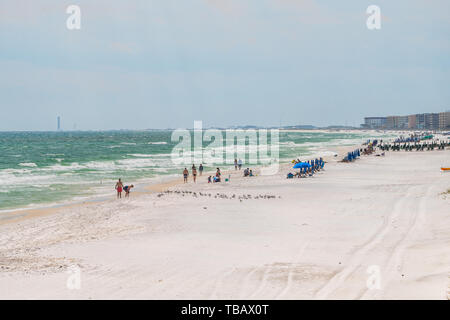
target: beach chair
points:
(349, 157)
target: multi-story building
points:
(412, 121)
(402, 122)
(444, 120)
(431, 121)
(422, 121)
(391, 122)
(397, 122)
(375, 122)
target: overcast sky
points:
(165, 63)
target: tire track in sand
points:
(291, 273)
(246, 281)
(263, 282)
(394, 262)
(219, 282)
(357, 256)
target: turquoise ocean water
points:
(47, 168)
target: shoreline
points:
(97, 189)
(17, 215)
(20, 214)
(309, 238)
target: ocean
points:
(49, 168)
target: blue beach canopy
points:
(302, 165)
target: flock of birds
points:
(217, 195)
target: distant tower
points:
(59, 123)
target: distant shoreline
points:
(287, 128)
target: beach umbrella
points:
(302, 165)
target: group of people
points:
(415, 146)
(248, 172)
(120, 188)
(414, 137)
(194, 172)
(216, 178)
(415, 142)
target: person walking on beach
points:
(240, 164)
(200, 168)
(185, 175)
(235, 164)
(119, 187)
(127, 190)
(194, 173)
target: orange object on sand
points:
(445, 169)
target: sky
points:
(140, 64)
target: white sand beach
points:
(312, 238)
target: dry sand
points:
(293, 239)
